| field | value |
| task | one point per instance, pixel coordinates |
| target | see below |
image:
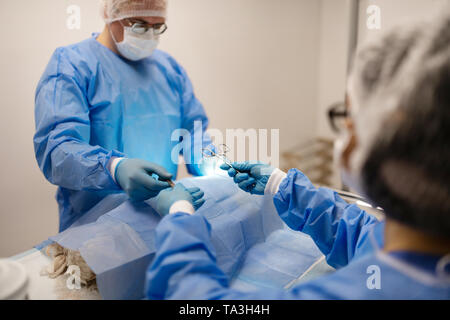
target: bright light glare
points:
(364, 204)
(212, 167)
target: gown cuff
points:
(273, 185)
(182, 206)
(112, 165)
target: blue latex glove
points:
(135, 178)
(252, 176)
(168, 197)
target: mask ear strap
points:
(111, 33)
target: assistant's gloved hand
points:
(168, 197)
(253, 176)
(135, 178)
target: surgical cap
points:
(115, 10)
(400, 88)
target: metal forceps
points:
(221, 154)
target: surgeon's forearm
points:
(334, 225)
(297, 199)
(78, 166)
(184, 250)
(185, 265)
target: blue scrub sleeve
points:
(185, 266)
(192, 111)
(63, 131)
(337, 228)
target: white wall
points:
(253, 64)
(335, 25)
(335, 42)
(30, 31)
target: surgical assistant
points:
(394, 152)
(106, 109)
(185, 268)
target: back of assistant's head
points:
(402, 86)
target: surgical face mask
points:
(136, 47)
(348, 178)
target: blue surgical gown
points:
(185, 265)
(92, 104)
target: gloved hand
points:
(135, 178)
(168, 197)
(253, 176)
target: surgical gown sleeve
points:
(185, 267)
(63, 130)
(339, 229)
(194, 120)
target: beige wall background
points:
(254, 64)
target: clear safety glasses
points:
(141, 27)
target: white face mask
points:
(348, 178)
(136, 47)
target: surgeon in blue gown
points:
(106, 110)
(395, 154)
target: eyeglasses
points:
(338, 114)
(141, 27)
